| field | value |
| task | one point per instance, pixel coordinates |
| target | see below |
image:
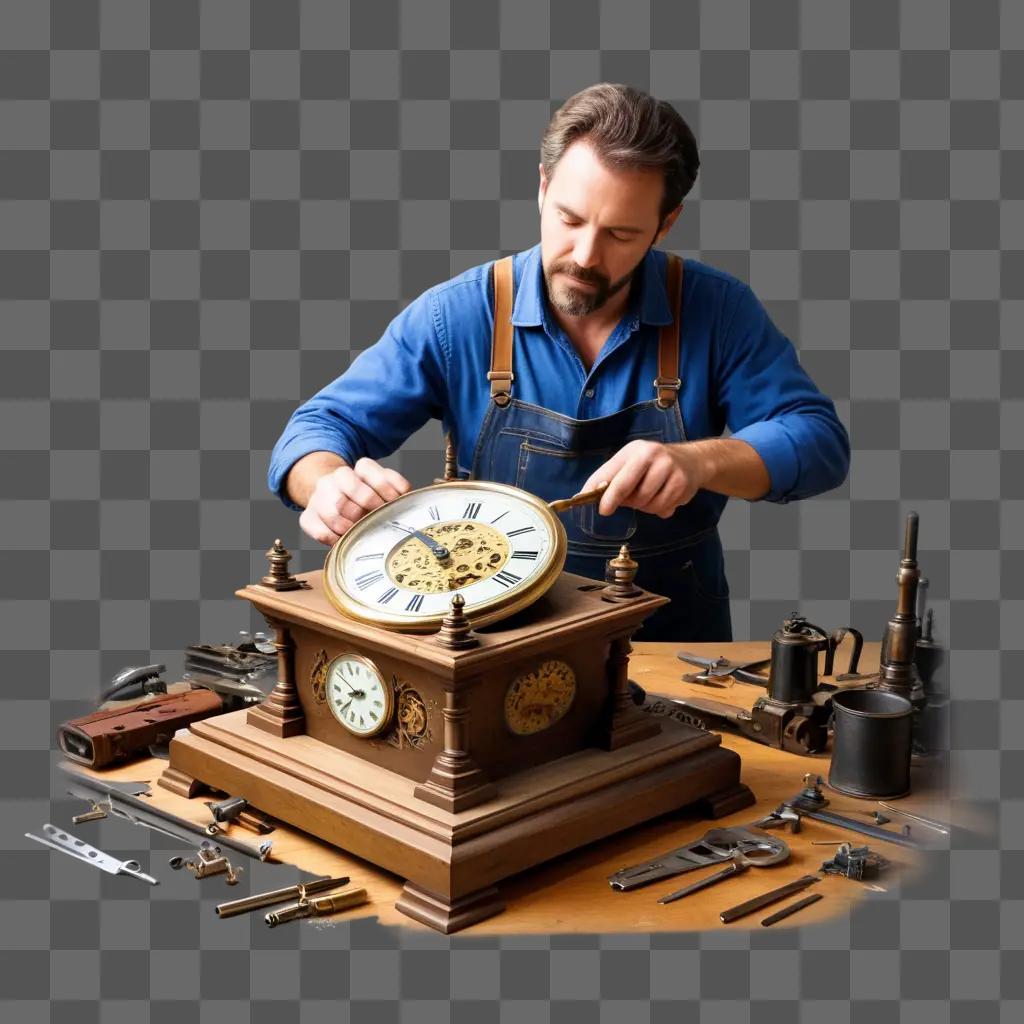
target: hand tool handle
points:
(767, 898)
(719, 876)
(586, 498)
(793, 908)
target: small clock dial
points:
(498, 546)
(536, 700)
(358, 695)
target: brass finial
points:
(451, 461)
(279, 577)
(620, 573)
(456, 633)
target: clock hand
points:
(439, 550)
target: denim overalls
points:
(552, 456)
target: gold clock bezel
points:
(389, 696)
(479, 614)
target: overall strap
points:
(500, 374)
(667, 383)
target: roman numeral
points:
(387, 595)
(472, 510)
(369, 558)
(530, 556)
(521, 530)
(434, 514)
(368, 579)
(503, 514)
(507, 579)
(415, 603)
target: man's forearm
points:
(302, 477)
(726, 466)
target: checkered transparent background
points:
(207, 207)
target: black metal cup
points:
(871, 745)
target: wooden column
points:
(455, 782)
(281, 713)
(627, 723)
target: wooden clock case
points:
(450, 798)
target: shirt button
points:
(589, 392)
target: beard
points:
(572, 301)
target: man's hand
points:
(657, 478)
(341, 497)
(650, 477)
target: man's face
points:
(596, 225)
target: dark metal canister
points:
(871, 745)
(794, 668)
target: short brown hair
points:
(628, 129)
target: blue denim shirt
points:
(737, 369)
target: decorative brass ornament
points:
(318, 677)
(412, 718)
(536, 700)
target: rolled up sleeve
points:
(386, 395)
(771, 403)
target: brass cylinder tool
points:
(896, 670)
(268, 899)
(584, 498)
(317, 907)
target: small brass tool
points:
(584, 498)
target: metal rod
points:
(268, 899)
(793, 908)
(586, 498)
(855, 826)
(138, 812)
(928, 822)
(735, 868)
(767, 898)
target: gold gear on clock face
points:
(477, 551)
(499, 547)
(536, 700)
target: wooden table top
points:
(571, 892)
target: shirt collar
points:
(528, 310)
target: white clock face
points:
(358, 696)
(401, 564)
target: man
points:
(608, 368)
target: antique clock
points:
(451, 705)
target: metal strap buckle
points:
(674, 383)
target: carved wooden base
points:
(180, 783)
(277, 722)
(454, 800)
(630, 726)
(726, 801)
(451, 861)
(449, 916)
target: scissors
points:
(741, 845)
(723, 671)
